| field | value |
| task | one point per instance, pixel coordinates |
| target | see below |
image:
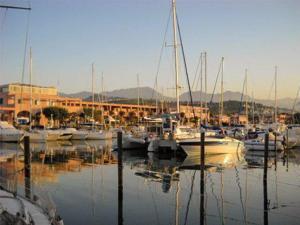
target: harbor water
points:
(82, 178)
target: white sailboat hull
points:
(79, 136)
(260, 145)
(99, 135)
(11, 136)
(212, 146)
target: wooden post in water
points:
(120, 179)
(265, 181)
(275, 148)
(27, 167)
(202, 155)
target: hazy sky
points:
(124, 37)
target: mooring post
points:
(275, 148)
(202, 166)
(265, 181)
(120, 179)
(27, 167)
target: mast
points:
(138, 96)
(201, 87)
(275, 106)
(253, 108)
(93, 97)
(102, 98)
(176, 55)
(205, 86)
(156, 97)
(246, 95)
(30, 82)
(222, 92)
(294, 105)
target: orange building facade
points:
(15, 102)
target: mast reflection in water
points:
(82, 178)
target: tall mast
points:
(205, 86)
(30, 82)
(222, 92)
(294, 105)
(275, 106)
(156, 97)
(253, 108)
(176, 55)
(201, 87)
(138, 97)
(246, 95)
(102, 98)
(102, 88)
(93, 97)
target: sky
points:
(124, 38)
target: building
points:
(15, 102)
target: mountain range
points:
(149, 93)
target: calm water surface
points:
(82, 178)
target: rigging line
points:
(270, 91)
(197, 68)
(240, 191)
(215, 85)
(190, 198)
(215, 196)
(200, 75)
(24, 57)
(3, 20)
(154, 203)
(185, 67)
(161, 53)
(242, 96)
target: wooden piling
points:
(265, 180)
(202, 166)
(275, 148)
(120, 179)
(27, 167)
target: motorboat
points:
(8, 133)
(213, 145)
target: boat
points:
(259, 145)
(37, 136)
(99, 135)
(77, 134)
(213, 145)
(8, 133)
(19, 210)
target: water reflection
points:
(151, 189)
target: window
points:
(1, 101)
(19, 101)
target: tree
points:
(55, 113)
(121, 114)
(131, 115)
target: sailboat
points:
(34, 135)
(96, 134)
(215, 143)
